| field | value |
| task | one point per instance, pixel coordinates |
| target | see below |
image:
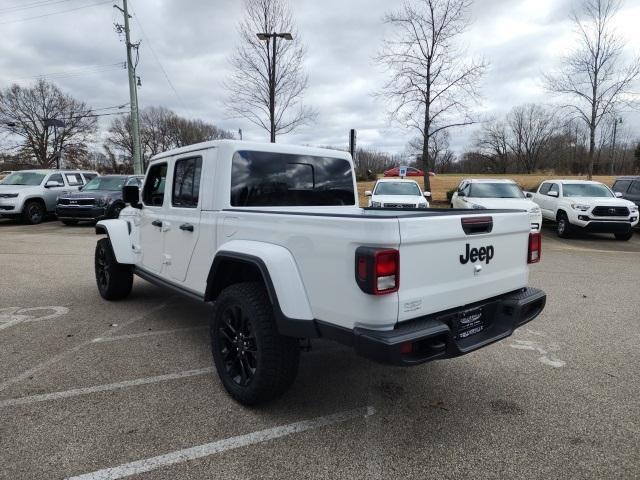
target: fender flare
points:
(281, 278)
(118, 232)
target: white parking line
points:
(147, 334)
(102, 388)
(41, 366)
(200, 451)
(10, 316)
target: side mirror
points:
(131, 195)
(427, 194)
(528, 194)
(367, 193)
(618, 194)
(553, 194)
(461, 194)
(53, 184)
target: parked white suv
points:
(495, 193)
(32, 194)
(397, 193)
(585, 205)
(274, 236)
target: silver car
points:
(32, 194)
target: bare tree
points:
(531, 128)
(431, 86)
(440, 155)
(267, 83)
(25, 110)
(493, 142)
(593, 76)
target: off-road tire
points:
(269, 360)
(70, 223)
(114, 279)
(115, 210)
(624, 237)
(563, 227)
(33, 212)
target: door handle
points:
(187, 227)
(157, 223)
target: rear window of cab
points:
(270, 179)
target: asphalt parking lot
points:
(87, 385)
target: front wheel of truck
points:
(255, 363)
(114, 279)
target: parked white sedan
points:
(397, 193)
(498, 194)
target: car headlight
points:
(103, 201)
(8, 195)
(581, 207)
(422, 205)
(535, 210)
(633, 209)
(376, 204)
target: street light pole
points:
(272, 78)
(55, 123)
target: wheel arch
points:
(274, 267)
(118, 232)
(559, 212)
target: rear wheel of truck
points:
(255, 363)
(114, 279)
(624, 237)
(563, 227)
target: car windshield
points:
(495, 190)
(398, 188)
(105, 183)
(586, 190)
(24, 178)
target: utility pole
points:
(133, 92)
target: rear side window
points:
(544, 189)
(186, 182)
(153, 193)
(265, 179)
(73, 179)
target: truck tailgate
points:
(442, 266)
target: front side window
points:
(621, 186)
(153, 193)
(635, 188)
(495, 190)
(544, 188)
(24, 178)
(73, 179)
(554, 188)
(397, 188)
(56, 177)
(89, 176)
(269, 179)
(186, 182)
(586, 190)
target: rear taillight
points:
(377, 270)
(535, 248)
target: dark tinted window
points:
(621, 186)
(153, 193)
(186, 182)
(89, 176)
(262, 179)
(544, 189)
(635, 188)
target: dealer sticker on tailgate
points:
(470, 322)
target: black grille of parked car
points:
(610, 212)
(76, 201)
(399, 205)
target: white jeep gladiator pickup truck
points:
(585, 205)
(274, 236)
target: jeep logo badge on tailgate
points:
(484, 254)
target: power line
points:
(155, 56)
(54, 13)
(86, 70)
(27, 6)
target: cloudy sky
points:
(186, 45)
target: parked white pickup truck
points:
(274, 236)
(585, 205)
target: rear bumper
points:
(81, 213)
(439, 336)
